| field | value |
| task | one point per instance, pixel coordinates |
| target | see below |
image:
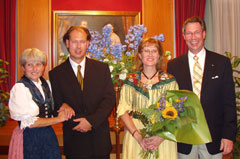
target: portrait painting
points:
(93, 20)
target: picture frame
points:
(95, 20)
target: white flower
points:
(122, 64)
(105, 60)
(61, 54)
(169, 57)
(122, 76)
(111, 68)
(125, 71)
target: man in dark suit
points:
(216, 92)
(87, 135)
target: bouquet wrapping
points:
(177, 116)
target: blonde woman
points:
(30, 104)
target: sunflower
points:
(170, 113)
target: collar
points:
(75, 65)
(200, 55)
(39, 83)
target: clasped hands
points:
(83, 125)
(150, 143)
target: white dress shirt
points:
(75, 66)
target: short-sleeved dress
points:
(135, 95)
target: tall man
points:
(209, 75)
(88, 90)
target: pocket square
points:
(215, 77)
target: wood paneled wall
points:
(34, 25)
(34, 29)
(157, 16)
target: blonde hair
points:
(145, 43)
(32, 54)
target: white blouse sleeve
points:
(22, 107)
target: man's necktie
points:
(197, 77)
(79, 76)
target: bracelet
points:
(134, 132)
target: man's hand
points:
(226, 146)
(83, 126)
(68, 111)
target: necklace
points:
(149, 80)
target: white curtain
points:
(223, 26)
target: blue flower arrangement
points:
(120, 58)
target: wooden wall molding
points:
(34, 29)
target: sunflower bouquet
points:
(177, 116)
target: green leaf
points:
(190, 113)
(236, 62)
(228, 54)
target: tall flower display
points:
(120, 58)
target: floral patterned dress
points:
(134, 95)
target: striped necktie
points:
(79, 76)
(197, 77)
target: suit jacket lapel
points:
(72, 82)
(209, 70)
(70, 76)
(87, 73)
(89, 78)
(186, 73)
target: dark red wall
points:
(101, 5)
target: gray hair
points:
(32, 54)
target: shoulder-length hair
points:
(145, 43)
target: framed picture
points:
(93, 20)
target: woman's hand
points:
(139, 139)
(61, 116)
(132, 129)
(68, 111)
(153, 142)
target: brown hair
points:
(72, 28)
(194, 20)
(149, 42)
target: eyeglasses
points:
(148, 51)
(196, 33)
